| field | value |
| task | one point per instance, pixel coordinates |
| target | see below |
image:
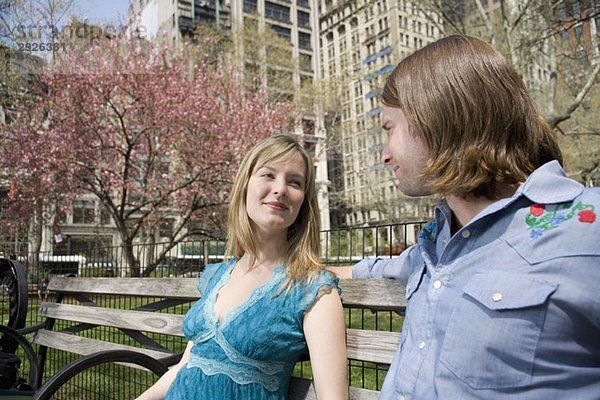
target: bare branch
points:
(488, 23)
(554, 120)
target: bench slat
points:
(303, 389)
(84, 346)
(373, 346)
(172, 288)
(380, 294)
(169, 324)
(377, 294)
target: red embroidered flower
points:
(537, 209)
(587, 216)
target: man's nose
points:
(386, 158)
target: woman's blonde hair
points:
(472, 109)
(304, 247)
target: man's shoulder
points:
(545, 231)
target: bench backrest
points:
(371, 346)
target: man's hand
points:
(344, 272)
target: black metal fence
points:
(342, 246)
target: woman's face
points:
(276, 192)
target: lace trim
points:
(205, 335)
(325, 288)
(269, 368)
(240, 374)
(211, 319)
(258, 293)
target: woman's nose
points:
(280, 187)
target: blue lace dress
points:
(251, 354)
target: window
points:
(303, 3)
(578, 31)
(165, 228)
(576, 10)
(303, 18)
(581, 57)
(84, 212)
(250, 5)
(562, 14)
(305, 81)
(304, 40)
(305, 62)
(565, 35)
(357, 90)
(105, 217)
(285, 33)
(276, 11)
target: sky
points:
(107, 11)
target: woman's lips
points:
(276, 205)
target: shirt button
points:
(401, 398)
(465, 234)
(421, 345)
(437, 284)
(497, 296)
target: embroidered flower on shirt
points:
(537, 209)
(539, 219)
(536, 233)
(429, 231)
(588, 216)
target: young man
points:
(502, 299)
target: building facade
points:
(361, 42)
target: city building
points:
(361, 42)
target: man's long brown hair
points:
(473, 110)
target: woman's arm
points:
(325, 334)
(159, 389)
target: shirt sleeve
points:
(398, 268)
(324, 283)
(209, 271)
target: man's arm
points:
(341, 272)
(392, 268)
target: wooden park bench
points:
(67, 322)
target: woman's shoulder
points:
(315, 285)
(210, 271)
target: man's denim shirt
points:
(508, 307)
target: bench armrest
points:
(82, 364)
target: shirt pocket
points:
(493, 332)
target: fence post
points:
(206, 249)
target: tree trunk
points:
(35, 239)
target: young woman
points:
(270, 299)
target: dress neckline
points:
(255, 294)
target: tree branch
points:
(554, 120)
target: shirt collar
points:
(546, 185)
(549, 185)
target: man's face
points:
(405, 152)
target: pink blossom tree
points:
(150, 132)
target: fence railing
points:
(340, 246)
